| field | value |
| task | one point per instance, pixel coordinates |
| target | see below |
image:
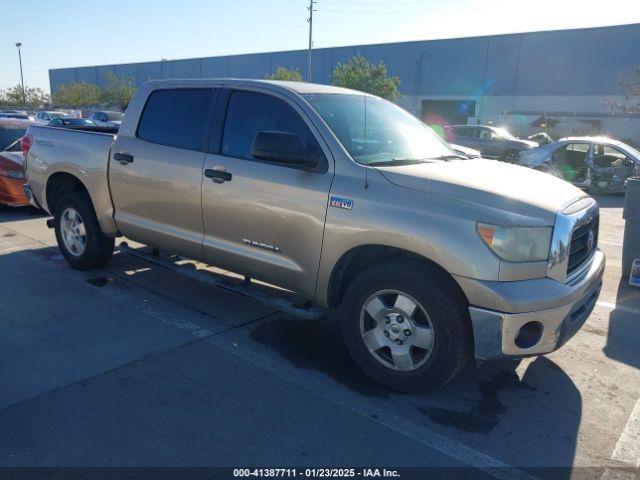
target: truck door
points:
(264, 219)
(155, 171)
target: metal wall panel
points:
(86, 74)
(565, 62)
(60, 76)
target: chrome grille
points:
(584, 241)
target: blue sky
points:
(64, 33)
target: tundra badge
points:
(341, 202)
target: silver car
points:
(600, 164)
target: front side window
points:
(605, 156)
(485, 134)
(176, 118)
(465, 132)
(249, 113)
(375, 131)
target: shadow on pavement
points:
(489, 404)
(615, 200)
(624, 326)
(11, 214)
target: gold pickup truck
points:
(344, 198)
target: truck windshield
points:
(504, 133)
(375, 131)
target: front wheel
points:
(78, 233)
(407, 326)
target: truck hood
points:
(488, 184)
(527, 143)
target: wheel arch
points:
(58, 185)
(64, 181)
(359, 258)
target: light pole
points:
(24, 99)
(310, 20)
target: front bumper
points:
(499, 334)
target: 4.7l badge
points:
(341, 202)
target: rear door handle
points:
(123, 158)
(218, 176)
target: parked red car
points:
(12, 175)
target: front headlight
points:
(517, 244)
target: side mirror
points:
(283, 147)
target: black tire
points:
(99, 247)
(510, 156)
(446, 307)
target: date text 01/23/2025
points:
(315, 473)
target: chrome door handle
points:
(218, 176)
(123, 158)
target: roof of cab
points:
(594, 139)
(297, 87)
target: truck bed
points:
(79, 152)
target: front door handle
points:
(123, 158)
(218, 176)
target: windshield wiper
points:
(452, 156)
(396, 161)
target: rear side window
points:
(466, 132)
(176, 118)
(249, 113)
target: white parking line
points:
(628, 447)
(622, 308)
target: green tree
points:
(117, 91)
(629, 84)
(359, 74)
(34, 97)
(288, 74)
(77, 95)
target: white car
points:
(45, 117)
(599, 164)
(107, 118)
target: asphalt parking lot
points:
(134, 365)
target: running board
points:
(244, 289)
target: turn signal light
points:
(486, 233)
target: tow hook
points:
(51, 223)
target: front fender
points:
(438, 229)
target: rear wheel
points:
(406, 326)
(78, 233)
(510, 156)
